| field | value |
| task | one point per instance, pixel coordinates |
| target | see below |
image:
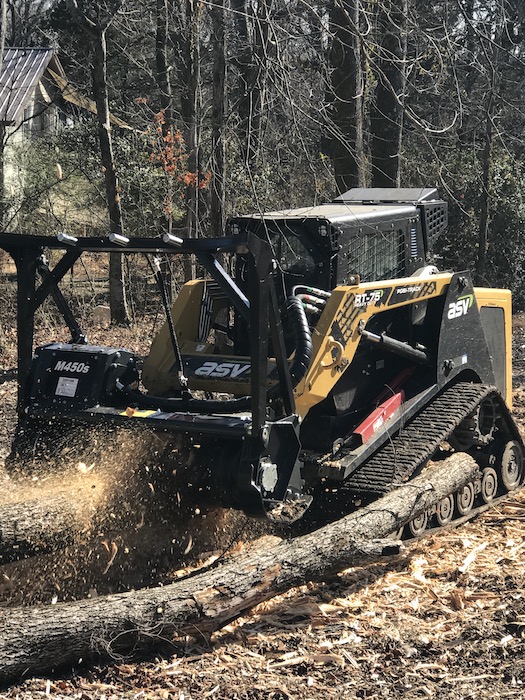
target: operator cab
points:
(375, 234)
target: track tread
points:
(404, 453)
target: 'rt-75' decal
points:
(368, 298)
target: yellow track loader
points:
(321, 357)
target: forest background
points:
(242, 106)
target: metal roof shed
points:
(23, 72)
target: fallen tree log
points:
(38, 524)
(35, 640)
(40, 516)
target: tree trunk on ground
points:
(40, 639)
(41, 523)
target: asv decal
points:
(460, 307)
(368, 298)
(78, 367)
(221, 369)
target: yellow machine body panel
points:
(347, 308)
(495, 307)
(192, 337)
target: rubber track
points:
(397, 461)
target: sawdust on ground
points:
(446, 620)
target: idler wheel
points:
(512, 465)
(445, 510)
(489, 484)
(418, 525)
(465, 499)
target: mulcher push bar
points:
(27, 252)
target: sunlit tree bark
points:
(96, 28)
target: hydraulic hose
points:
(302, 337)
(155, 267)
(298, 368)
(303, 288)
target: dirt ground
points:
(445, 620)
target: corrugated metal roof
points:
(22, 70)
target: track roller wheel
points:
(512, 465)
(489, 485)
(465, 498)
(418, 525)
(445, 511)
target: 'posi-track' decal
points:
(408, 292)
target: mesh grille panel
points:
(435, 220)
(377, 256)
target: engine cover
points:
(67, 377)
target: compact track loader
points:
(322, 357)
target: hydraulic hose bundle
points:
(313, 299)
(302, 339)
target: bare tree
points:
(386, 120)
(389, 92)
(96, 24)
(162, 72)
(491, 41)
(252, 63)
(23, 21)
(346, 59)
(218, 160)
(190, 114)
(3, 32)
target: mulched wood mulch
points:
(445, 620)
